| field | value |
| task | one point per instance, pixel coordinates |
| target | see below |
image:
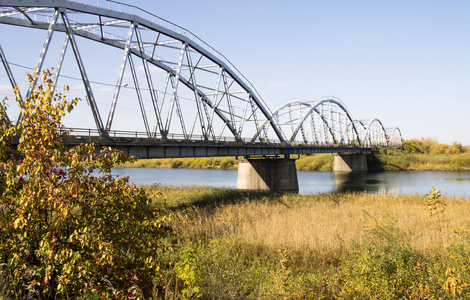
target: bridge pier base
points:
(350, 163)
(274, 174)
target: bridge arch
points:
(394, 136)
(373, 133)
(223, 101)
(323, 122)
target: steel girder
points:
(373, 133)
(323, 122)
(394, 137)
(222, 101)
(328, 122)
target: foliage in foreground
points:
(385, 267)
(68, 228)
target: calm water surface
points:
(450, 183)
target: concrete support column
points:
(267, 174)
(350, 163)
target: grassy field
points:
(239, 245)
(326, 222)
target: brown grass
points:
(323, 223)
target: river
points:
(450, 183)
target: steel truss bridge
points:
(154, 89)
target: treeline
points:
(428, 146)
(421, 155)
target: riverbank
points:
(318, 162)
(224, 163)
(383, 159)
(335, 245)
(389, 159)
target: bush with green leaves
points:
(69, 229)
(385, 266)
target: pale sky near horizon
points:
(406, 63)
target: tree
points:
(457, 148)
(414, 146)
(69, 229)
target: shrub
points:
(227, 269)
(66, 232)
(461, 160)
(385, 266)
(227, 163)
(176, 163)
(449, 273)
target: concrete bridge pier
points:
(350, 163)
(268, 174)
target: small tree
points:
(69, 229)
(457, 148)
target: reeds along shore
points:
(324, 223)
(328, 246)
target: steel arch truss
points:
(323, 122)
(373, 133)
(394, 137)
(182, 87)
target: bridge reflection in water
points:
(358, 182)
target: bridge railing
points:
(92, 134)
(89, 135)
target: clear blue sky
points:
(404, 62)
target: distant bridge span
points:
(153, 89)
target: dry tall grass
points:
(323, 223)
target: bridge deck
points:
(159, 148)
